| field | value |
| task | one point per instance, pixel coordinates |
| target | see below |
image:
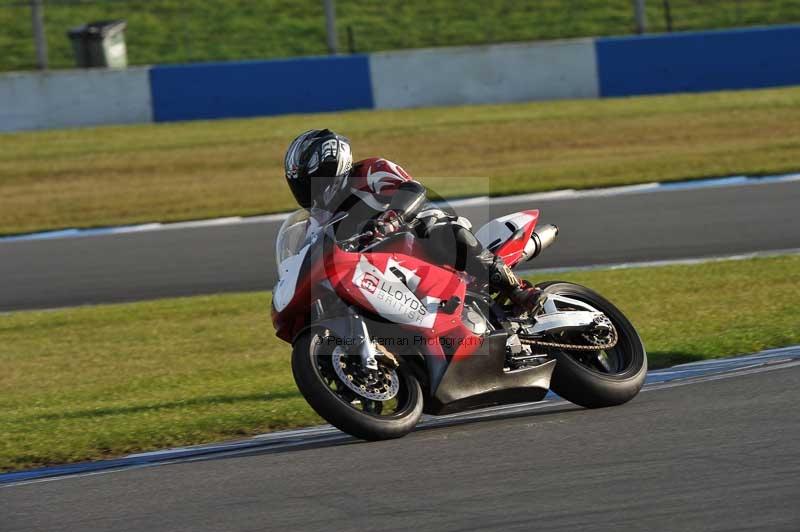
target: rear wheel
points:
(595, 379)
(371, 405)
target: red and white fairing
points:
(398, 287)
(509, 236)
(395, 283)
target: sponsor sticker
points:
(369, 282)
(390, 297)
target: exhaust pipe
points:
(541, 238)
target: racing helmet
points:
(317, 165)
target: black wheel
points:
(596, 379)
(371, 405)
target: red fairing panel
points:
(293, 318)
(512, 249)
(399, 288)
(373, 281)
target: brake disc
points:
(380, 385)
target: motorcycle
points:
(381, 335)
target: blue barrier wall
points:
(701, 61)
(582, 68)
(255, 88)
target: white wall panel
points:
(73, 98)
(485, 74)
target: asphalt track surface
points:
(648, 226)
(715, 455)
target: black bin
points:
(100, 44)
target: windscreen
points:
(292, 235)
(298, 230)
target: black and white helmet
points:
(317, 165)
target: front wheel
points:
(596, 379)
(371, 405)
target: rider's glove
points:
(387, 223)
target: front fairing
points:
(300, 229)
(391, 283)
(399, 288)
(300, 272)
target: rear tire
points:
(308, 375)
(588, 386)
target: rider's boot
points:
(502, 279)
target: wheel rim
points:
(380, 385)
(390, 396)
(613, 362)
(617, 361)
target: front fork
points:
(352, 330)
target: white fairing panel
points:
(288, 272)
(497, 231)
(391, 298)
(297, 230)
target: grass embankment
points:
(170, 172)
(169, 31)
(101, 381)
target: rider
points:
(381, 197)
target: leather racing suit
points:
(376, 186)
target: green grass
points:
(96, 382)
(190, 170)
(165, 31)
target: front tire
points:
(588, 382)
(341, 406)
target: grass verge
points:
(95, 382)
(180, 171)
(169, 31)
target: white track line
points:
(755, 363)
(668, 262)
(464, 202)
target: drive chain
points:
(572, 347)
